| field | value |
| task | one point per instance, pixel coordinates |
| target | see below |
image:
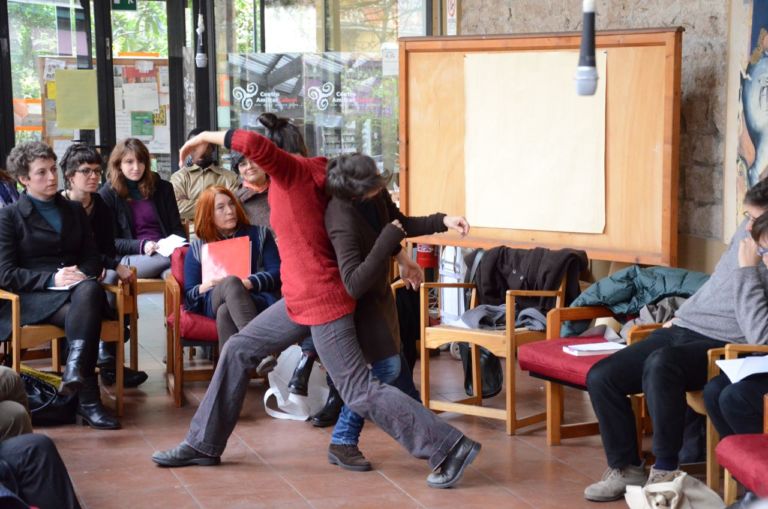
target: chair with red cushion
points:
(184, 328)
(745, 459)
(547, 360)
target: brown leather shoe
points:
(348, 457)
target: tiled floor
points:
(282, 464)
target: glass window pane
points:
(140, 58)
(45, 37)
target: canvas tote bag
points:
(280, 403)
(682, 492)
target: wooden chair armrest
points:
(765, 414)
(732, 350)
(557, 316)
(713, 355)
(6, 295)
(447, 285)
(640, 332)
(173, 289)
(533, 293)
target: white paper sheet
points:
(166, 246)
(140, 96)
(739, 369)
(534, 150)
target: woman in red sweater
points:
(314, 301)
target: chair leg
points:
(554, 412)
(178, 371)
(424, 375)
(135, 338)
(713, 469)
(729, 493)
(56, 354)
(638, 404)
(119, 364)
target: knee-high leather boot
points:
(90, 409)
(73, 378)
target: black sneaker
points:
(183, 456)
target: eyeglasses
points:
(762, 251)
(90, 171)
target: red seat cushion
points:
(746, 457)
(177, 264)
(196, 327)
(546, 359)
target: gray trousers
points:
(148, 266)
(233, 306)
(417, 429)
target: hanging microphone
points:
(201, 59)
(586, 74)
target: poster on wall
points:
(750, 36)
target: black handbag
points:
(491, 372)
(46, 406)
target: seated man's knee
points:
(14, 420)
(603, 374)
(662, 360)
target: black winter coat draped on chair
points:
(31, 251)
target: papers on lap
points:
(231, 257)
(738, 369)
(69, 286)
(166, 246)
(600, 348)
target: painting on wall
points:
(752, 160)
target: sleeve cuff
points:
(228, 139)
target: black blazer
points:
(164, 201)
(100, 220)
(31, 252)
(364, 255)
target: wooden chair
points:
(745, 458)
(556, 378)
(24, 337)
(503, 344)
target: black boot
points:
(300, 379)
(73, 378)
(106, 363)
(90, 409)
(330, 412)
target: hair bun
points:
(269, 120)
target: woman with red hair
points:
(232, 301)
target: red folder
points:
(231, 257)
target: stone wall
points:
(705, 44)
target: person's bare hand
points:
(411, 274)
(247, 283)
(208, 285)
(68, 275)
(195, 147)
(458, 223)
(150, 248)
(748, 256)
(124, 273)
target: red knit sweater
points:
(312, 287)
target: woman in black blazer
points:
(45, 242)
(143, 208)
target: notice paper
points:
(76, 99)
(140, 96)
(738, 369)
(142, 126)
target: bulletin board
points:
(141, 101)
(641, 141)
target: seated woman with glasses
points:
(45, 242)
(232, 301)
(143, 208)
(81, 166)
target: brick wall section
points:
(705, 43)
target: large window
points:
(330, 65)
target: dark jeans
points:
(663, 366)
(736, 408)
(30, 466)
(417, 429)
(81, 319)
(232, 306)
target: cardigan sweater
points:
(312, 287)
